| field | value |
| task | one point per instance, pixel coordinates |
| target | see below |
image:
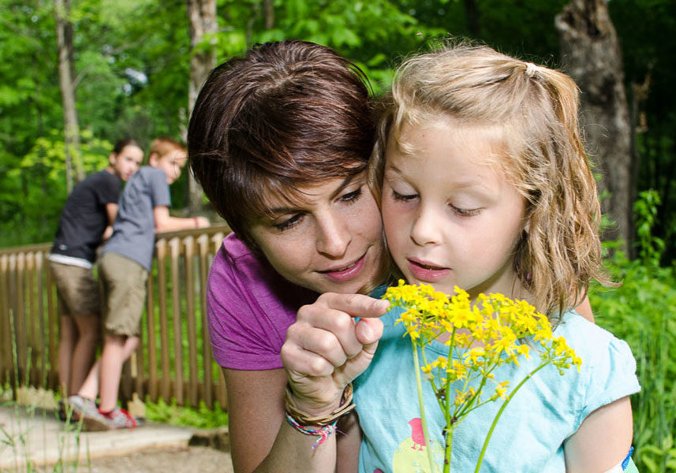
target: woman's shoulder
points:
(235, 264)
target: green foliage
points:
(640, 311)
(40, 173)
(201, 417)
(650, 247)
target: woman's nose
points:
(333, 237)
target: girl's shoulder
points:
(608, 370)
(589, 339)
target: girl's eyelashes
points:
(288, 223)
(403, 197)
(464, 212)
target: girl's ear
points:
(153, 159)
(112, 159)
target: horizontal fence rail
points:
(173, 362)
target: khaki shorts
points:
(124, 289)
(77, 291)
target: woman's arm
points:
(262, 441)
(602, 441)
(255, 413)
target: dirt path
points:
(190, 460)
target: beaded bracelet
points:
(323, 432)
(321, 427)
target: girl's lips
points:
(346, 273)
(426, 272)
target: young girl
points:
(485, 185)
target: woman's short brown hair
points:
(285, 115)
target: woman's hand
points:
(326, 348)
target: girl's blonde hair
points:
(536, 108)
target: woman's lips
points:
(427, 272)
(347, 272)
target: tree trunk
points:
(269, 14)
(591, 55)
(202, 16)
(472, 17)
(64, 35)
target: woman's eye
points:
(351, 196)
(465, 212)
(403, 197)
(288, 223)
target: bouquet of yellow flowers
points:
(481, 336)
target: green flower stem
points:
(450, 425)
(511, 395)
(421, 402)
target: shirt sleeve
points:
(108, 192)
(159, 189)
(612, 375)
(239, 333)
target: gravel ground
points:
(190, 460)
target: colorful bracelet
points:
(323, 432)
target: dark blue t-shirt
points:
(84, 216)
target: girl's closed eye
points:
(403, 197)
(464, 212)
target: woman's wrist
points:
(318, 415)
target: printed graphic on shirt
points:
(411, 456)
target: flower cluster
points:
(481, 335)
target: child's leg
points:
(90, 386)
(116, 350)
(84, 351)
(67, 337)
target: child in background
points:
(89, 210)
(124, 266)
(485, 184)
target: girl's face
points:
(450, 215)
(126, 162)
(331, 243)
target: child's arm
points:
(111, 213)
(166, 223)
(602, 441)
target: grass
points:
(641, 312)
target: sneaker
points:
(81, 407)
(115, 419)
(62, 411)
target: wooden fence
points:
(174, 360)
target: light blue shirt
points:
(529, 437)
(134, 228)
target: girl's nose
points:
(425, 229)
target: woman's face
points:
(332, 242)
